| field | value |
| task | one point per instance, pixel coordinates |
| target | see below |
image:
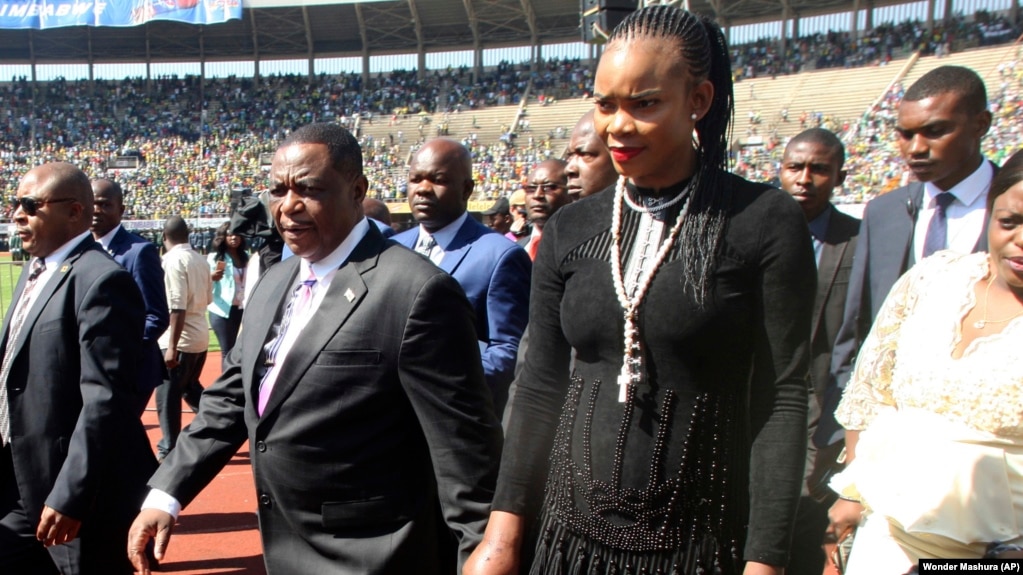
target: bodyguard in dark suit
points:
(142, 260)
(494, 272)
(75, 457)
(357, 382)
(941, 121)
(811, 168)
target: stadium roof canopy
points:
(278, 29)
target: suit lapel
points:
(47, 290)
(347, 290)
(18, 289)
(915, 200)
(835, 244)
(459, 248)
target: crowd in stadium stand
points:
(198, 141)
(875, 47)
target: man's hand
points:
(149, 524)
(170, 357)
(55, 528)
(843, 515)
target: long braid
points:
(704, 54)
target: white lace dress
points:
(939, 463)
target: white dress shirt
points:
(965, 215)
(443, 237)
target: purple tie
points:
(299, 303)
(937, 231)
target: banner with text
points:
(43, 14)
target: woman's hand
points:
(498, 553)
(843, 515)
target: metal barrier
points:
(9, 274)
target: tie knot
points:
(38, 267)
(944, 200)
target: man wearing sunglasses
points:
(546, 193)
(74, 457)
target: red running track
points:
(218, 532)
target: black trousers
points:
(20, 552)
(169, 395)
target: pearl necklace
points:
(984, 321)
(658, 207)
(633, 362)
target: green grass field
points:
(9, 273)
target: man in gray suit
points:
(942, 119)
(374, 443)
(811, 169)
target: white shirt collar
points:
(968, 190)
(105, 240)
(332, 261)
(446, 235)
(60, 254)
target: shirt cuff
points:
(163, 501)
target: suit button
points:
(264, 499)
(260, 447)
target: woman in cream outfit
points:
(934, 412)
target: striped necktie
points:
(13, 330)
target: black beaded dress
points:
(699, 469)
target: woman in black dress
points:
(676, 443)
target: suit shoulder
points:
(895, 198)
(757, 204)
(497, 242)
(844, 223)
(406, 236)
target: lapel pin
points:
(349, 295)
(64, 268)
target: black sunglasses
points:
(31, 205)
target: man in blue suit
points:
(141, 258)
(493, 271)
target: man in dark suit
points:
(140, 257)
(374, 444)
(811, 169)
(941, 121)
(493, 271)
(546, 193)
(74, 457)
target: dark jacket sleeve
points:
(441, 373)
(148, 274)
(108, 319)
(778, 394)
(540, 387)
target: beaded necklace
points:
(633, 362)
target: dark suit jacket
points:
(495, 274)
(140, 257)
(883, 253)
(378, 449)
(833, 271)
(77, 443)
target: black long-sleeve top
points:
(712, 443)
